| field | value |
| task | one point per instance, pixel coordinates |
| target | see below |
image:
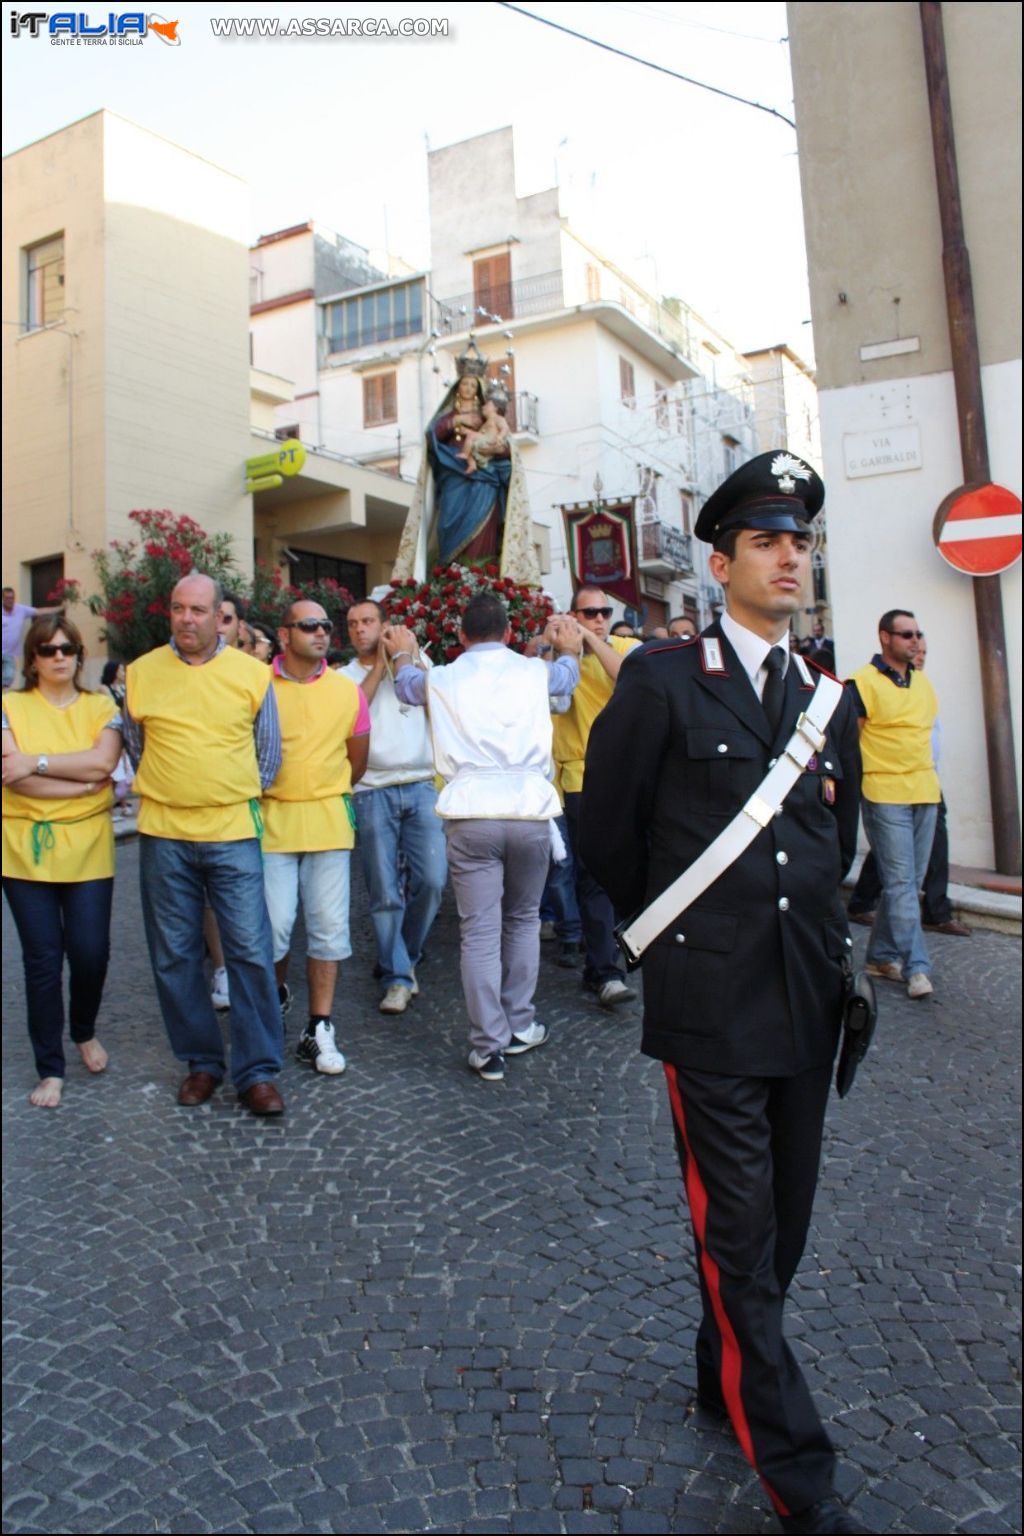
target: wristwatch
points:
(42, 765)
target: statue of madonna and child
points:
(470, 505)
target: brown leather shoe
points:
(959, 930)
(262, 1099)
(197, 1088)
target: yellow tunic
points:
(62, 841)
(307, 809)
(198, 778)
(896, 739)
(572, 730)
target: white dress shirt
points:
(752, 651)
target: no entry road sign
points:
(977, 529)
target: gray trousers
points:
(498, 870)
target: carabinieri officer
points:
(743, 991)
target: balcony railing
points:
(564, 290)
(503, 301)
(664, 550)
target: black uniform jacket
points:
(749, 980)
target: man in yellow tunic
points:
(899, 796)
(603, 655)
(309, 825)
(202, 731)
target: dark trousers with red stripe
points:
(749, 1149)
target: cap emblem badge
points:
(787, 471)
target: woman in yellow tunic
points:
(60, 746)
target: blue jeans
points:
(54, 920)
(603, 960)
(177, 879)
(901, 838)
(402, 848)
(322, 880)
(559, 899)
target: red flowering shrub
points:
(433, 609)
(136, 577)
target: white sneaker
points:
(320, 1049)
(530, 1038)
(918, 985)
(612, 992)
(219, 995)
(396, 999)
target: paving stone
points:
(415, 1306)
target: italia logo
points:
(79, 27)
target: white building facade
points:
(608, 386)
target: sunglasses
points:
(310, 626)
(908, 634)
(49, 651)
(595, 613)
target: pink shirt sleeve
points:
(362, 725)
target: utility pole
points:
(970, 406)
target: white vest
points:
(491, 723)
(399, 737)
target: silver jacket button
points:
(722, 747)
(782, 858)
(680, 938)
(783, 903)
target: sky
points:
(699, 196)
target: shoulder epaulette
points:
(669, 645)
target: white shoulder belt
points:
(807, 739)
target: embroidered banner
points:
(601, 540)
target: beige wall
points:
(177, 326)
(54, 501)
(870, 206)
(156, 364)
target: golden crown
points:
(471, 362)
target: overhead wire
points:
(634, 58)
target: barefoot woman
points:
(60, 746)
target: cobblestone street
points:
(423, 1302)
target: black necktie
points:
(774, 689)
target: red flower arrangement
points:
(433, 609)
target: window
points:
(661, 404)
(593, 283)
(686, 510)
(492, 285)
(286, 434)
(45, 575)
(380, 399)
(44, 284)
(730, 454)
(314, 567)
(383, 315)
(627, 383)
